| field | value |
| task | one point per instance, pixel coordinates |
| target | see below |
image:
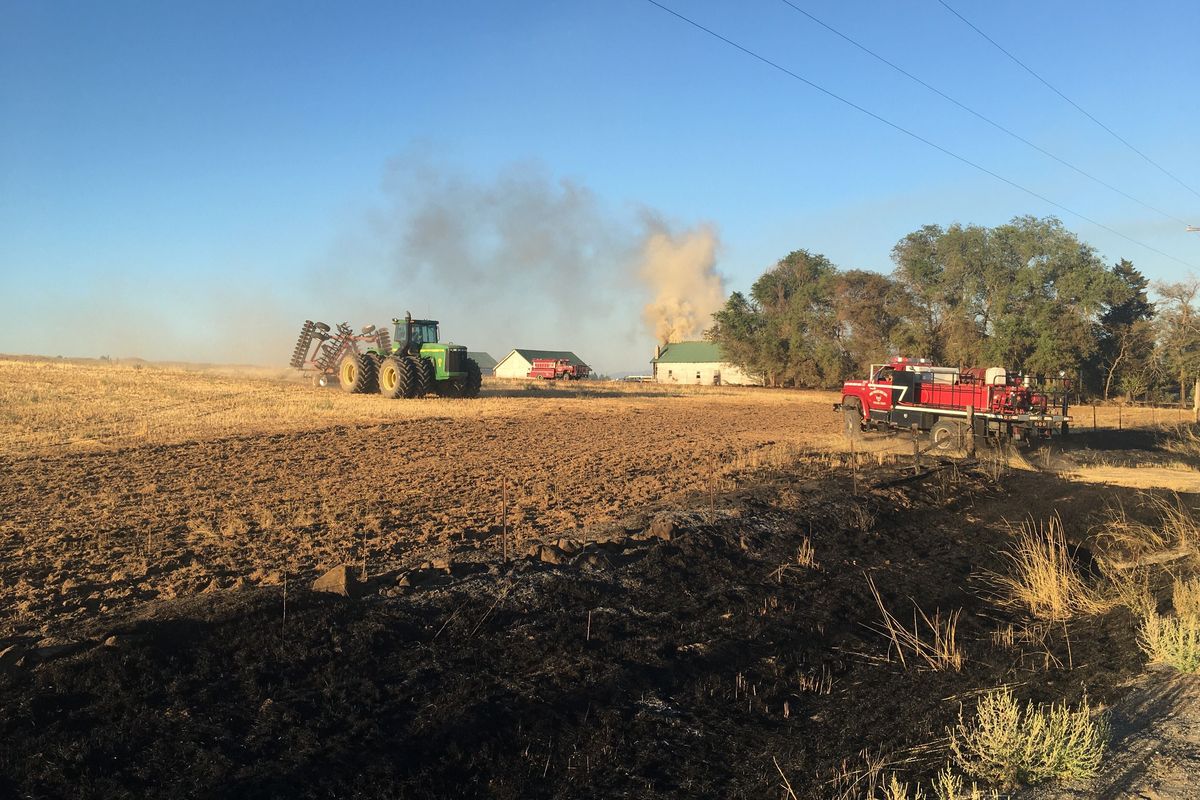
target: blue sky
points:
(193, 180)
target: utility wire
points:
(981, 116)
(913, 135)
(1078, 107)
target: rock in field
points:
(339, 580)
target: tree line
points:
(1028, 295)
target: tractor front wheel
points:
(396, 378)
(473, 379)
(357, 373)
(423, 375)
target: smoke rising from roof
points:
(681, 270)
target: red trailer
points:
(950, 402)
(557, 369)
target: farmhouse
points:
(698, 363)
(517, 363)
(485, 361)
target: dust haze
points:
(518, 258)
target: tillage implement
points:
(410, 362)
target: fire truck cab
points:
(950, 402)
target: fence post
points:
(504, 517)
(970, 431)
(916, 449)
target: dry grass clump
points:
(1185, 596)
(806, 555)
(1174, 640)
(931, 640)
(946, 786)
(1007, 745)
(949, 786)
(895, 789)
(779, 455)
(1183, 439)
(1043, 577)
(1175, 532)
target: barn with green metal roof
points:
(517, 363)
(698, 363)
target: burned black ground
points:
(636, 668)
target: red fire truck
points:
(948, 402)
(557, 368)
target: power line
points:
(911, 134)
(1078, 107)
(979, 115)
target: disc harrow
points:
(412, 363)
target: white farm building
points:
(517, 363)
(698, 363)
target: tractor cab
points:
(412, 333)
(424, 331)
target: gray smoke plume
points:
(527, 260)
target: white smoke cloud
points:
(680, 269)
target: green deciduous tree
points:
(1125, 348)
(1028, 295)
(1179, 330)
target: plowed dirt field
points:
(88, 530)
(689, 605)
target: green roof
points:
(484, 360)
(690, 353)
(530, 355)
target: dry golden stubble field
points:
(53, 406)
(121, 484)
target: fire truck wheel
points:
(852, 417)
(947, 435)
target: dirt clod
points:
(663, 527)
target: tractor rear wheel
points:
(423, 375)
(852, 418)
(357, 373)
(948, 435)
(473, 379)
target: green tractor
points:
(412, 363)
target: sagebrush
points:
(1007, 745)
